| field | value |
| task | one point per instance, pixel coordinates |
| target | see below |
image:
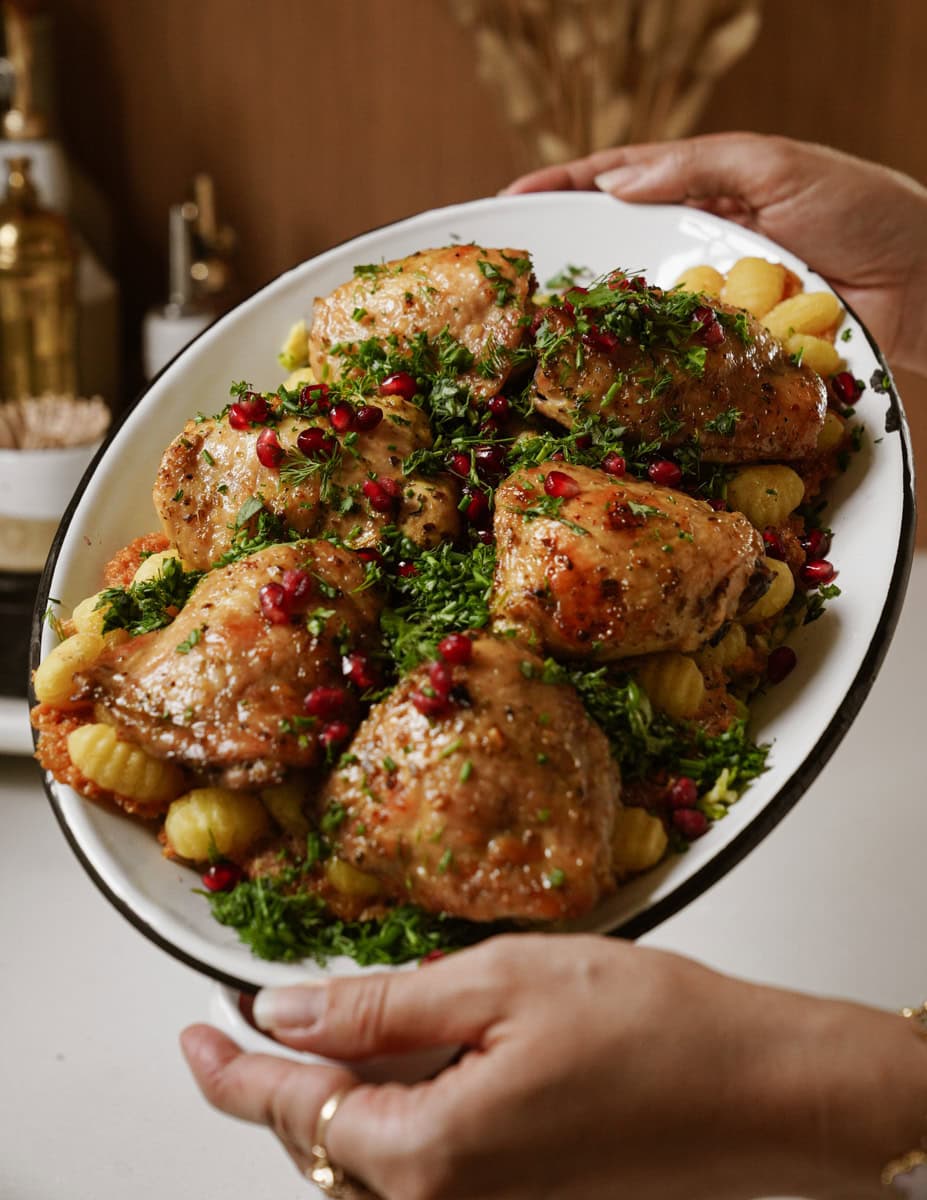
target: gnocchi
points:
(147, 783)
(211, 821)
(673, 683)
(780, 592)
(766, 494)
(53, 681)
(639, 841)
(805, 312)
(754, 284)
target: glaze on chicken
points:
(621, 567)
(211, 469)
(477, 297)
(749, 402)
(503, 807)
(221, 688)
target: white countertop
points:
(96, 1103)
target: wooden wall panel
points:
(322, 118)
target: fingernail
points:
(289, 1007)
(610, 180)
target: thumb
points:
(751, 167)
(448, 1003)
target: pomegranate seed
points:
(342, 416)
(221, 877)
(297, 585)
(485, 536)
(334, 732)
(315, 394)
(459, 463)
(431, 706)
(846, 387)
(392, 487)
(456, 649)
(406, 569)
(431, 956)
(625, 283)
(400, 384)
(560, 485)
(584, 441)
(815, 543)
(499, 406)
(316, 443)
(360, 670)
(369, 555)
(326, 702)
(440, 678)
(251, 408)
(558, 456)
(781, 662)
(489, 462)
(368, 417)
(614, 464)
(601, 339)
(237, 418)
(664, 473)
(268, 449)
(773, 544)
(711, 334)
(817, 572)
(690, 822)
(683, 793)
(275, 604)
(377, 497)
(477, 510)
(718, 505)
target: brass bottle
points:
(38, 293)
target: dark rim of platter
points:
(727, 858)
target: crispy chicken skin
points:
(501, 809)
(782, 405)
(222, 705)
(594, 577)
(199, 518)
(479, 296)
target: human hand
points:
(862, 226)
(593, 1068)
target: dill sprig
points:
(151, 604)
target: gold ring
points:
(326, 1176)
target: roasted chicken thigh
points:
(222, 688)
(603, 568)
(211, 470)
(501, 807)
(476, 296)
(742, 396)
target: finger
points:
(375, 1132)
(447, 1003)
(755, 169)
(578, 175)
(284, 1095)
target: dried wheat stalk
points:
(580, 75)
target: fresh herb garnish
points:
(152, 603)
(287, 926)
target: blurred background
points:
(315, 120)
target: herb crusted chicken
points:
(458, 625)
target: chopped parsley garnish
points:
(288, 926)
(152, 603)
(725, 422)
(188, 643)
